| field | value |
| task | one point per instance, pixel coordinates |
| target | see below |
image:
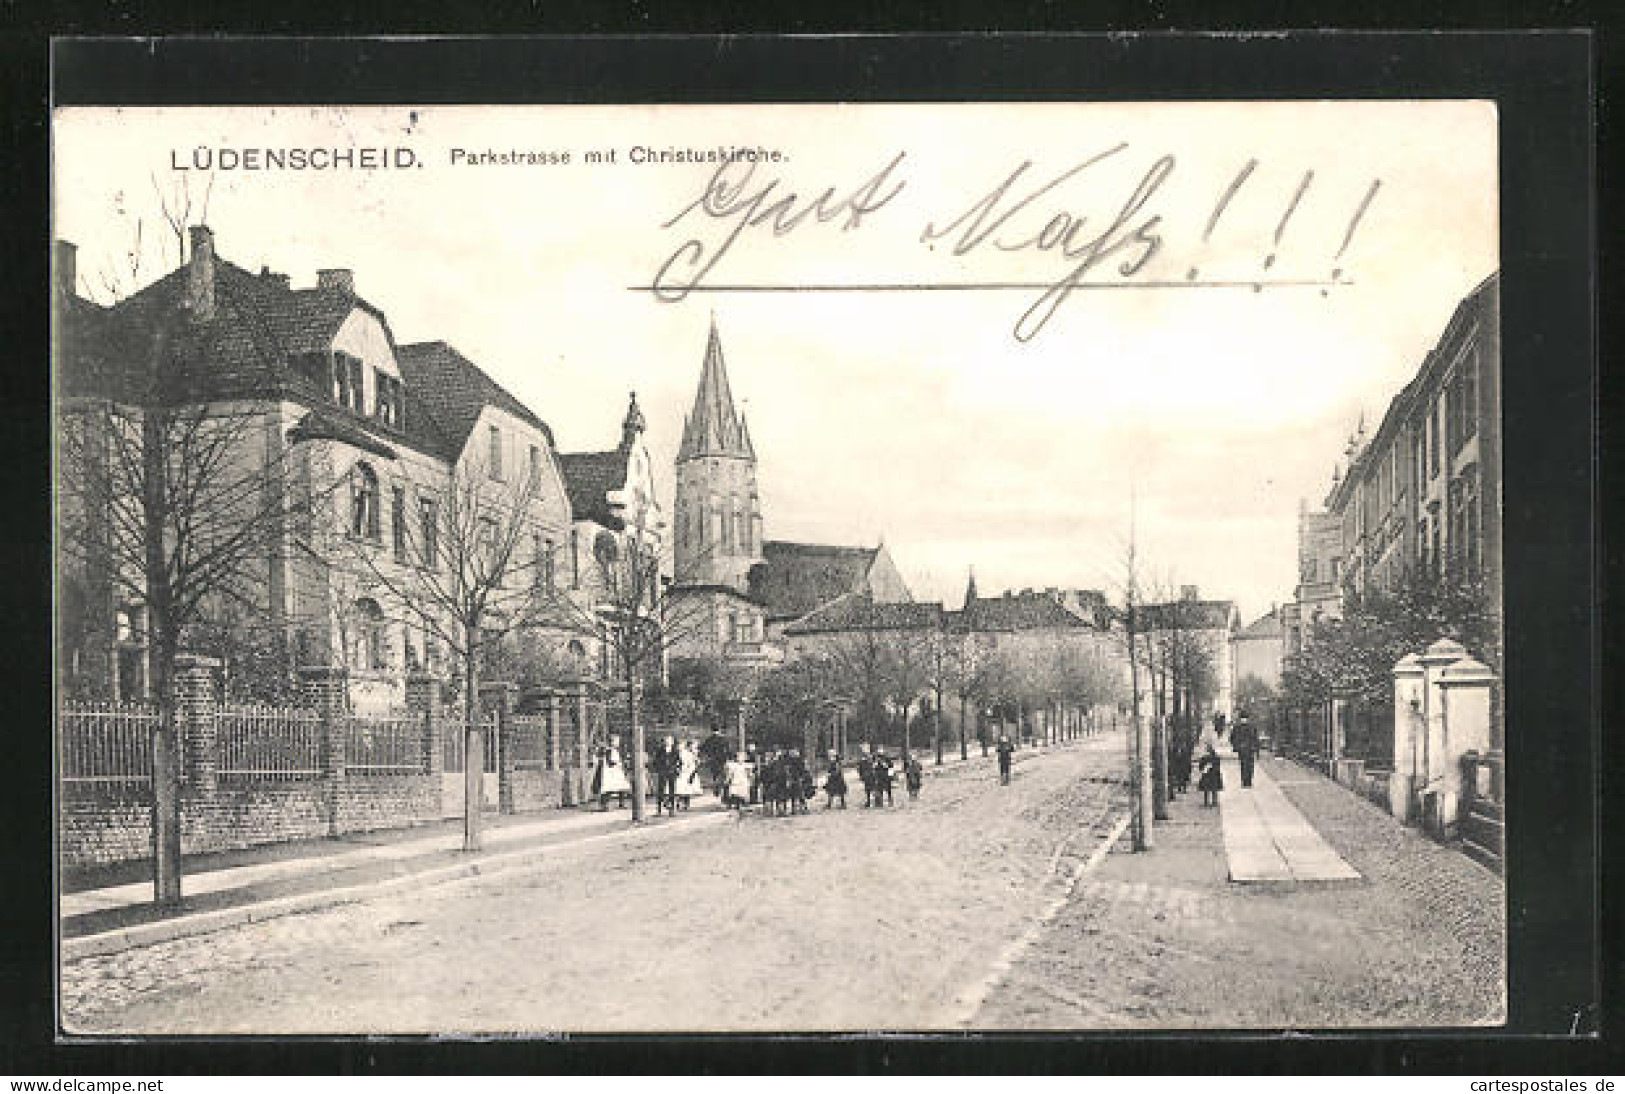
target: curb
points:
(970, 1001)
(149, 934)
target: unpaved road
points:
(855, 920)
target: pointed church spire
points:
(633, 425)
(970, 590)
(713, 427)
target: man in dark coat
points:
(866, 775)
(1244, 739)
(1005, 748)
(883, 778)
(665, 764)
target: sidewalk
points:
(1166, 939)
(1266, 838)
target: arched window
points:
(371, 646)
(364, 502)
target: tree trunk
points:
(166, 781)
(936, 726)
(473, 747)
(640, 759)
(964, 751)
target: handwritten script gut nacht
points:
(206, 158)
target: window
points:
(1433, 438)
(549, 574)
(575, 560)
(348, 388)
(491, 548)
(493, 458)
(429, 517)
(371, 644)
(535, 466)
(364, 502)
(388, 409)
(397, 522)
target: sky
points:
(1228, 331)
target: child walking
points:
(1212, 779)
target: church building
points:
(738, 590)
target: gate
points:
(453, 757)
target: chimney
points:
(67, 268)
(338, 280)
(1189, 592)
(200, 274)
(280, 280)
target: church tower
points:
(719, 516)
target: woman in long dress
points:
(688, 775)
(737, 777)
(609, 777)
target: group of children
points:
(782, 784)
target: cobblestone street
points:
(1165, 940)
(850, 920)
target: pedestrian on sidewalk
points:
(1181, 754)
(913, 775)
(1244, 738)
(689, 786)
(1212, 779)
(609, 776)
(1218, 724)
(801, 783)
(737, 780)
(866, 774)
(666, 764)
(1005, 748)
(754, 758)
(834, 781)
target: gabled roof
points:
(859, 612)
(794, 578)
(1186, 615)
(589, 477)
(455, 390)
(149, 348)
(1265, 626)
(713, 428)
(1019, 612)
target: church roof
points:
(588, 479)
(795, 578)
(713, 427)
(860, 612)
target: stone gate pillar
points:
(327, 691)
(423, 694)
(554, 723)
(1465, 686)
(1410, 726)
(1435, 659)
(195, 728)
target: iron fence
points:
(530, 740)
(384, 744)
(107, 744)
(258, 741)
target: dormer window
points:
(348, 389)
(389, 399)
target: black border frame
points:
(1543, 83)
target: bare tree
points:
(180, 504)
(465, 573)
(638, 616)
